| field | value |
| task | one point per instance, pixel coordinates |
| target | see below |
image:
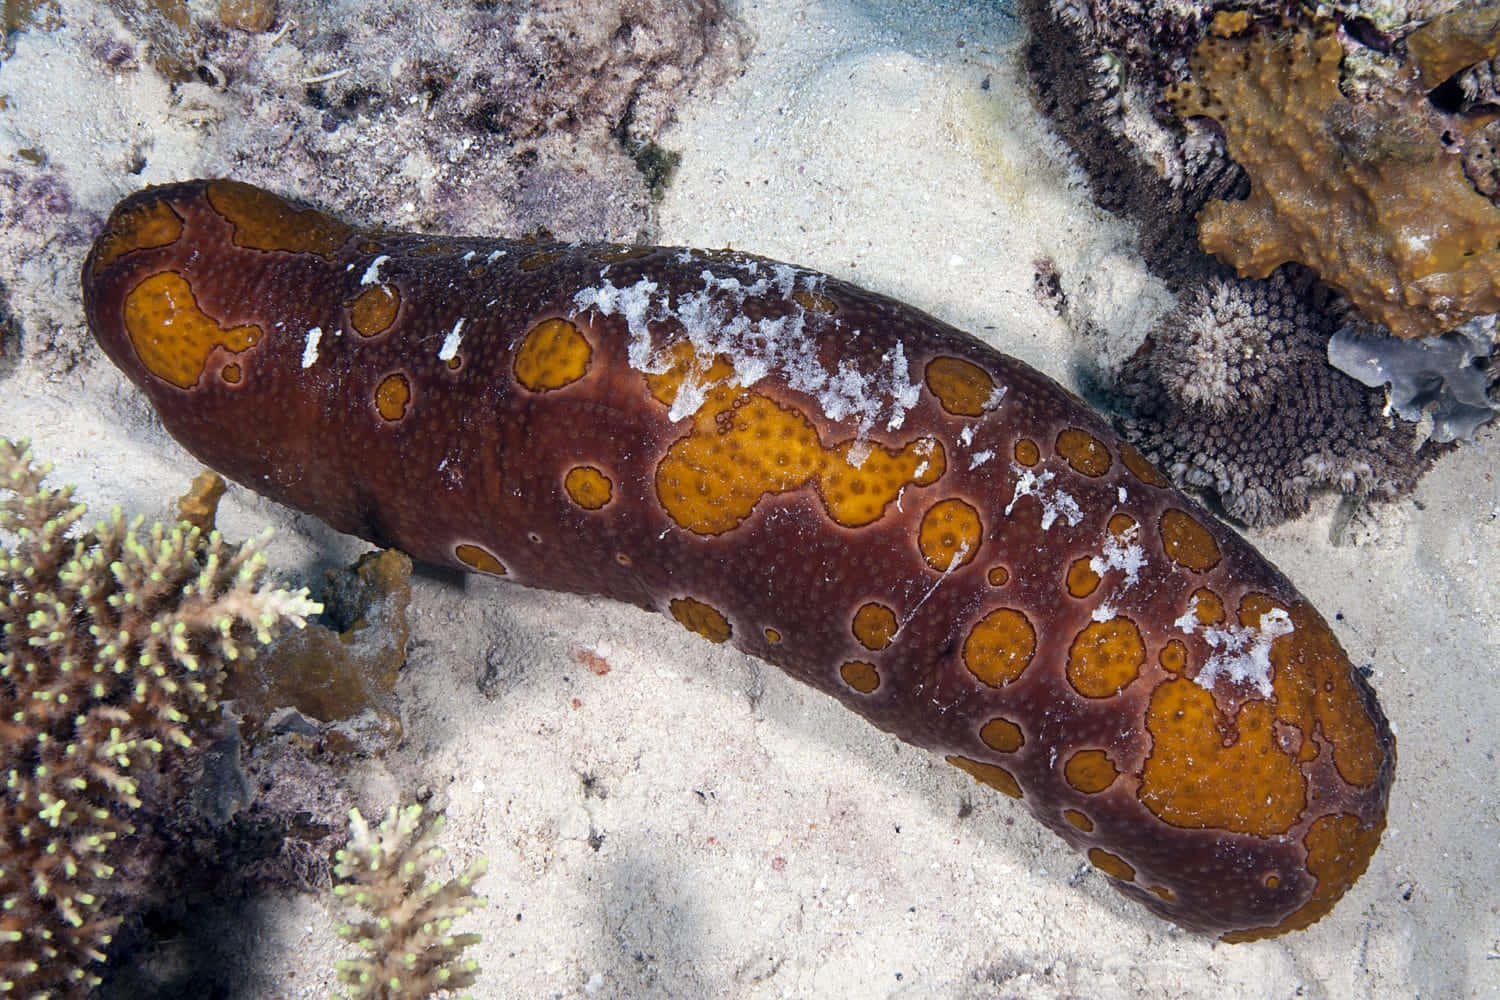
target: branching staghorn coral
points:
(112, 646)
(407, 933)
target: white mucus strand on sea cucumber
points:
(713, 320)
(1055, 503)
(1241, 653)
(449, 350)
(1245, 656)
(953, 564)
(1122, 553)
(372, 273)
(310, 348)
(635, 305)
(858, 452)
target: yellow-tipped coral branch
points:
(407, 928)
(112, 645)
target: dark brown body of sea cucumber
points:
(932, 532)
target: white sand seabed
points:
(695, 824)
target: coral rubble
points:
(453, 115)
(406, 929)
(113, 643)
(339, 681)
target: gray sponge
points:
(1431, 378)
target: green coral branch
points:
(113, 642)
(407, 929)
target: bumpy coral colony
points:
(933, 533)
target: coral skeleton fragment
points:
(782, 461)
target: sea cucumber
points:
(937, 535)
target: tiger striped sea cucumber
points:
(935, 534)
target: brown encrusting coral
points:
(113, 642)
(406, 927)
(1370, 194)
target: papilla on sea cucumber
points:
(936, 534)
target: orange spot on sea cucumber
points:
(588, 487)
(815, 301)
(861, 676)
(1105, 657)
(1084, 452)
(1173, 656)
(1090, 771)
(949, 535)
(1111, 864)
(772, 636)
(392, 396)
(1000, 646)
(1081, 579)
(616, 252)
(1002, 734)
(1027, 453)
(171, 336)
(231, 373)
(1079, 820)
(998, 576)
(374, 310)
(1187, 542)
(479, 559)
(744, 446)
(263, 221)
(702, 618)
(874, 625)
(1208, 607)
(1140, 468)
(142, 227)
(993, 775)
(539, 259)
(1204, 771)
(961, 387)
(1338, 851)
(1315, 691)
(553, 354)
